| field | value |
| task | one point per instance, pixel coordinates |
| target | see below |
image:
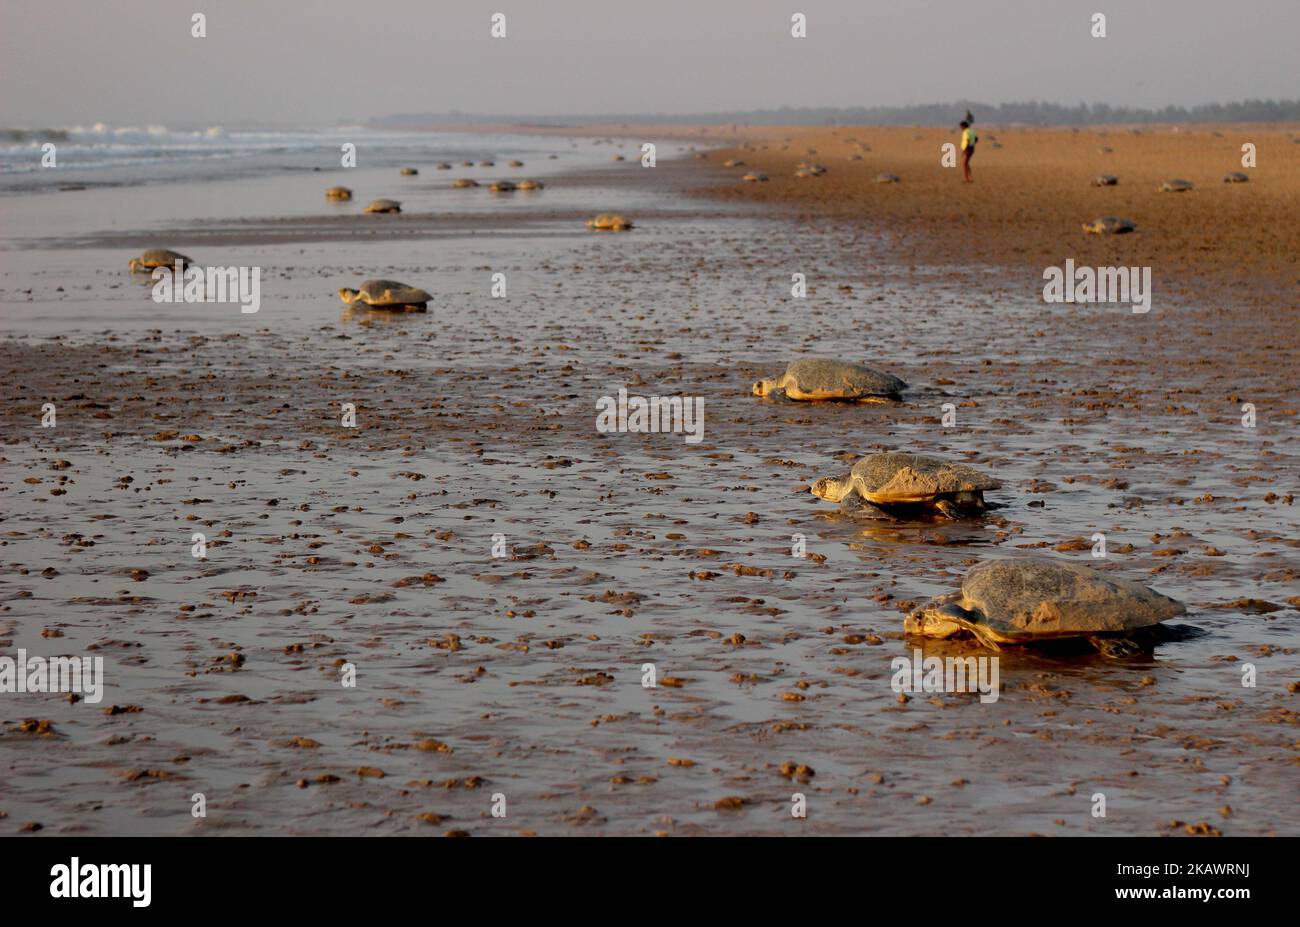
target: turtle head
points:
(134, 264)
(763, 387)
(832, 488)
(938, 618)
(348, 296)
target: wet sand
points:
(521, 674)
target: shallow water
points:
(478, 420)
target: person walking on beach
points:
(968, 139)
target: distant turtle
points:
(755, 177)
(1105, 180)
(461, 183)
(382, 205)
(338, 193)
(609, 222)
(387, 294)
(618, 157)
(1110, 225)
(516, 163)
(1236, 177)
(503, 186)
(157, 257)
(409, 172)
(899, 482)
(818, 378)
(531, 185)
(443, 166)
(467, 164)
(487, 164)
(1176, 186)
(733, 162)
(1036, 600)
(887, 178)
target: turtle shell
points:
(391, 293)
(1033, 597)
(384, 206)
(887, 178)
(1236, 177)
(899, 478)
(833, 379)
(609, 222)
(1176, 186)
(1105, 180)
(338, 193)
(1110, 225)
(161, 257)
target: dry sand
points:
(1031, 195)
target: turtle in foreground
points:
(1177, 186)
(382, 205)
(1110, 225)
(888, 178)
(531, 185)
(899, 483)
(338, 193)
(607, 222)
(461, 183)
(1036, 601)
(503, 186)
(158, 257)
(1236, 177)
(816, 378)
(409, 172)
(1105, 180)
(387, 294)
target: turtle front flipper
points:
(857, 507)
(1120, 648)
(947, 508)
(960, 505)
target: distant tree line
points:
(929, 114)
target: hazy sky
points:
(133, 62)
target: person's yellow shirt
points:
(968, 139)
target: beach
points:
(496, 572)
